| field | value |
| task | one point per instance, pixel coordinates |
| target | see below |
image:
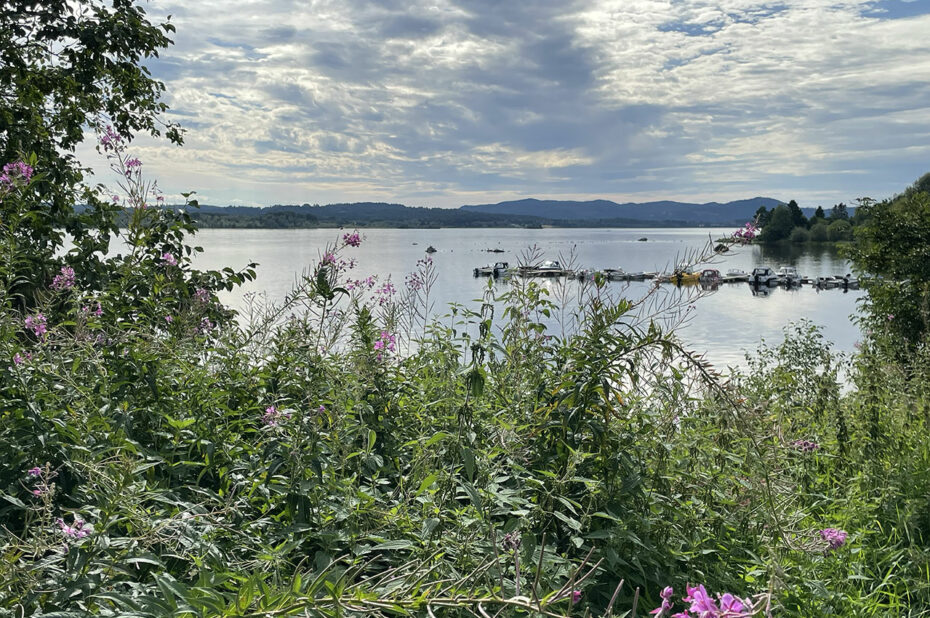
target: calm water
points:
(723, 323)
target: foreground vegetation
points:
(344, 453)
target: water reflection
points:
(726, 321)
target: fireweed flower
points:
(169, 319)
(64, 280)
(110, 139)
(169, 259)
(834, 537)
(352, 240)
(204, 327)
(386, 342)
(37, 324)
(18, 359)
(202, 295)
(576, 596)
(805, 446)
(666, 606)
(701, 603)
(272, 416)
(34, 472)
(78, 530)
(14, 174)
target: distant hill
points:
(520, 213)
(710, 213)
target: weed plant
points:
(344, 453)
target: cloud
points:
(432, 101)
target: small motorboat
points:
(500, 269)
(788, 275)
(735, 275)
(763, 275)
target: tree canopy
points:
(65, 66)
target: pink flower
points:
(18, 359)
(34, 472)
(77, 531)
(169, 319)
(701, 603)
(64, 280)
(576, 596)
(110, 139)
(169, 259)
(15, 173)
(731, 607)
(205, 326)
(202, 295)
(37, 324)
(834, 537)
(352, 240)
(273, 416)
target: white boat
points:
(618, 274)
(500, 269)
(788, 275)
(763, 275)
(734, 275)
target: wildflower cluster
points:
(385, 293)
(366, 283)
(110, 139)
(41, 477)
(273, 417)
(703, 605)
(805, 446)
(416, 280)
(202, 296)
(37, 324)
(96, 311)
(169, 259)
(746, 233)
(78, 530)
(835, 538)
(386, 342)
(14, 174)
(64, 280)
(352, 240)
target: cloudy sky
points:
(450, 102)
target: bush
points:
(800, 235)
(819, 232)
(839, 230)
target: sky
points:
(451, 102)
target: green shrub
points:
(839, 230)
(819, 232)
(800, 235)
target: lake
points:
(724, 323)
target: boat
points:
(735, 275)
(431, 249)
(618, 274)
(827, 283)
(788, 275)
(850, 282)
(549, 268)
(587, 274)
(710, 275)
(499, 269)
(763, 275)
